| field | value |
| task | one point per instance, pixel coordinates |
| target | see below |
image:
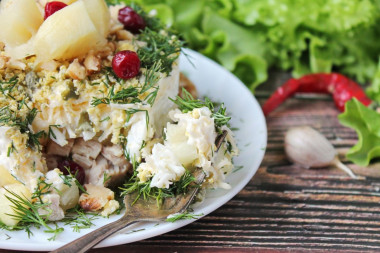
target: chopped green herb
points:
(159, 48)
(27, 213)
(79, 219)
(6, 87)
(183, 216)
(11, 149)
(8, 117)
(237, 168)
(105, 119)
(106, 177)
(159, 194)
(188, 103)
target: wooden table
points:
(284, 207)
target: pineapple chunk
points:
(177, 142)
(6, 207)
(19, 21)
(99, 14)
(67, 34)
(6, 177)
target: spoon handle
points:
(89, 240)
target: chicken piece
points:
(96, 173)
(56, 149)
(89, 149)
(52, 161)
(53, 210)
(115, 155)
(96, 197)
(83, 161)
(116, 174)
(185, 82)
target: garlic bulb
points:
(310, 149)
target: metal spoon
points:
(140, 210)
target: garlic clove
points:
(308, 148)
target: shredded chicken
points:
(98, 170)
(83, 161)
(56, 149)
(52, 161)
(53, 210)
(115, 155)
(90, 149)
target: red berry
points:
(126, 64)
(52, 7)
(75, 169)
(131, 20)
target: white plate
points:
(220, 85)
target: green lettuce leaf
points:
(366, 123)
(249, 37)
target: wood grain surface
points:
(285, 208)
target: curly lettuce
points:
(366, 123)
(250, 37)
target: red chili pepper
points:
(341, 87)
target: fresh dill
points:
(187, 103)
(237, 168)
(28, 214)
(183, 216)
(131, 94)
(143, 189)
(106, 178)
(11, 149)
(9, 117)
(127, 95)
(6, 87)
(78, 219)
(68, 179)
(161, 46)
(105, 119)
(42, 188)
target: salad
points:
(90, 109)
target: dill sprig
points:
(183, 216)
(6, 87)
(187, 103)
(143, 189)
(9, 117)
(27, 213)
(42, 188)
(78, 219)
(161, 46)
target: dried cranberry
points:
(75, 169)
(126, 64)
(52, 7)
(131, 20)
